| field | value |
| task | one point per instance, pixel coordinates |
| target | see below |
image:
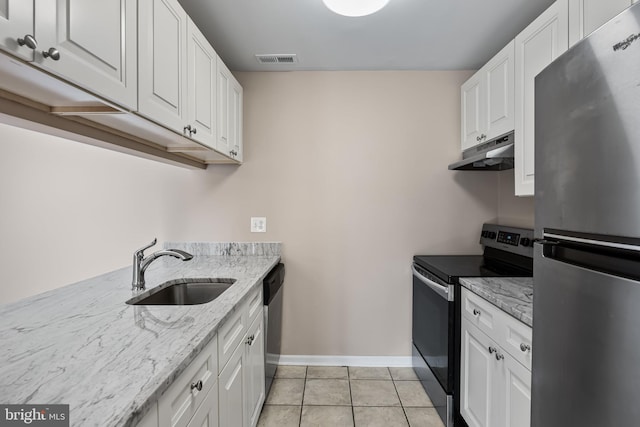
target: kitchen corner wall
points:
(512, 210)
(350, 169)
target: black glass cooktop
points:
(450, 267)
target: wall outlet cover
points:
(258, 224)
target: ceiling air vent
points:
(277, 59)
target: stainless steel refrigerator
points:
(586, 313)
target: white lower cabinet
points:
(200, 397)
(477, 378)
(178, 405)
(254, 378)
(495, 385)
(232, 390)
(242, 380)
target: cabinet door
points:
(585, 16)
(235, 119)
(517, 403)
(16, 21)
(231, 390)
(536, 47)
(162, 50)
(473, 121)
(500, 98)
(476, 378)
(224, 144)
(254, 371)
(201, 94)
(96, 41)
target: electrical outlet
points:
(258, 224)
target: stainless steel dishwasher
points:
(272, 293)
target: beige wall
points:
(512, 210)
(348, 167)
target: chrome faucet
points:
(140, 263)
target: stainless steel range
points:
(508, 252)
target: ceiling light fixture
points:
(355, 8)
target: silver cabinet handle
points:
(197, 385)
(476, 312)
(51, 53)
(525, 347)
(29, 41)
(190, 129)
(499, 356)
(492, 350)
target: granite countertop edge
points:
(157, 345)
(513, 295)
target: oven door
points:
(434, 339)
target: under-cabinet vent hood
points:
(495, 155)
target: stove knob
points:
(492, 235)
(525, 241)
(485, 233)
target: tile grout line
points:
(353, 412)
(404, 411)
(304, 387)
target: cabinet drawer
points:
(255, 304)
(179, 403)
(480, 312)
(515, 337)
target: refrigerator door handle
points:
(544, 242)
(613, 245)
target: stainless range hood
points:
(495, 155)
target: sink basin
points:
(183, 292)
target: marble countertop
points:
(82, 345)
(513, 295)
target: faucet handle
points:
(140, 252)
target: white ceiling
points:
(405, 35)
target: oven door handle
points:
(443, 291)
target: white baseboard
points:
(390, 361)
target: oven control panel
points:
(512, 239)
(508, 238)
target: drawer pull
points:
(499, 356)
(525, 347)
(476, 312)
(492, 350)
(197, 385)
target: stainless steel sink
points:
(183, 292)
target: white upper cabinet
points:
(16, 28)
(500, 92)
(488, 100)
(89, 43)
(472, 94)
(201, 84)
(537, 46)
(585, 16)
(162, 50)
(229, 107)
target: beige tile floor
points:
(336, 396)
